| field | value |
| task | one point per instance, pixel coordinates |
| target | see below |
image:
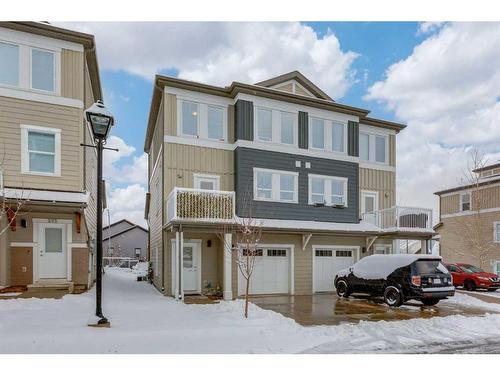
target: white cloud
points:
(128, 203)
(428, 27)
(219, 53)
(447, 91)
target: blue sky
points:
(435, 77)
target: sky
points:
(440, 79)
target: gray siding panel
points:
(246, 159)
(303, 130)
(353, 138)
(244, 120)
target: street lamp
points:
(101, 121)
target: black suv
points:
(398, 278)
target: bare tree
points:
(476, 236)
(246, 235)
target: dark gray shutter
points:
(303, 130)
(244, 120)
(353, 138)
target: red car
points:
(472, 277)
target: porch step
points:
(199, 300)
(52, 285)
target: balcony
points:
(198, 205)
(399, 218)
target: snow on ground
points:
(144, 321)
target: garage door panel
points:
(327, 262)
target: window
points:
(215, 123)
(256, 252)
(279, 186)
(42, 70)
(287, 130)
(276, 253)
(327, 135)
(264, 125)
(343, 253)
(318, 134)
(9, 64)
(324, 253)
(327, 190)
(40, 150)
(496, 231)
(465, 202)
(337, 137)
(206, 182)
(190, 115)
(364, 146)
(137, 252)
(53, 240)
(380, 149)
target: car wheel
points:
(430, 301)
(342, 288)
(492, 289)
(469, 285)
(393, 296)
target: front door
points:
(191, 271)
(369, 204)
(53, 251)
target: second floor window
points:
(273, 185)
(202, 120)
(275, 126)
(465, 202)
(41, 150)
(42, 70)
(496, 231)
(373, 147)
(190, 116)
(327, 135)
(327, 190)
(9, 64)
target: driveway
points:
(328, 309)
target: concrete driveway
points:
(328, 309)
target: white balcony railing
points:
(401, 218)
(185, 204)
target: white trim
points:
(327, 188)
(470, 189)
(21, 37)
(198, 96)
(81, 245)
(19, 93)
(199, 177)
(294, 88)
(472, 212)
(276, 185)
(353, 248)
(276, 118)
(375, 130)
(495, 233)
(160, 153)
(56, 71)
(378, 166)
(22, 244)
(327, 135)
(202, 118)
(44, 195)
(25, 129)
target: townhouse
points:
(319, 176)
(48, 76)
(469, 220)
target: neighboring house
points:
(469, 221)
(310, 167)
(48, 76)
(125, 239)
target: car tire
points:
(393, 296)
(342, 288)
(469, 285)
(492, 289)
(430, 301)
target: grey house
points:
(125, 239)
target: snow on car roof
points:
(379, 266)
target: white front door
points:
(52, 251)
(369, 204)
(327, 262)
(191, 269)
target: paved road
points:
(486, 346)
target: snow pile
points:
(380, 266)
(141, 269)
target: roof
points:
(87, 40)
(487, 167)
(481, 182)
(131, 227)
(235, 88)
(300, 78)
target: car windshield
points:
(470, 268)
(430, 266)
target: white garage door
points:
(327, 262)
(271, 273)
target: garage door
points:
(271, 273)
(327, 262)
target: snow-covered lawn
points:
(143, 321)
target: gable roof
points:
(300, 78)
(112, 235)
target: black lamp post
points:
(101, 122)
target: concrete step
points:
(52, 285)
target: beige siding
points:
(300, 91)
(392, 150)
(383, 182)
(449, 204)
(455, 248)
(182, 161)
(90, 156)
(155, 222)
(157, 140)
(170, 114)
(4, 254)
(72, 74)
(13, 113)
(285, 88)
(88, 98)
(482, 198)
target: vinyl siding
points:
(244, 120)
(285, 88)
(182, 161)
(392, 150)
(155, 222)
(482, 198)
(13, 113)
(449, 204)
(383, 182)
(157, 141)
(170, 108)
(72, 74)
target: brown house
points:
(469, 221)
(48, 77)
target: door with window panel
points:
(52, 251)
